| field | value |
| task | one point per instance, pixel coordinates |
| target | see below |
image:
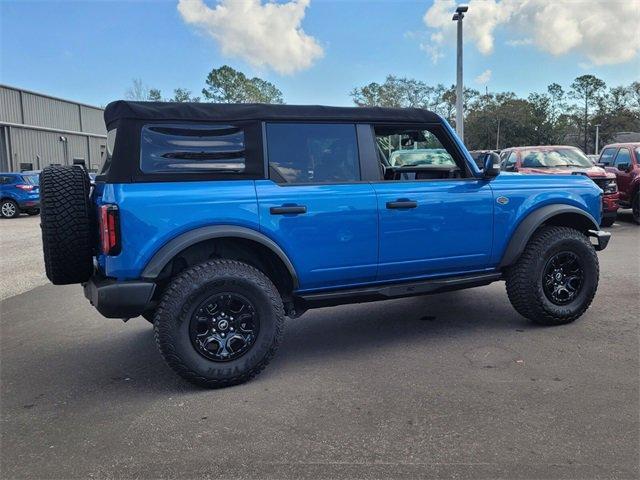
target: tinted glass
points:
(623, 158)
(554, 158)
(607, 156)
(185, 148)
(312, 153)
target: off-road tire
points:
(182, 297)
(607, 222)
(524, 278)
(9, 202)
(635, 208)
(66, 223)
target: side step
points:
(397, 290)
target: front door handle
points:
(288, 209)
(402, 203)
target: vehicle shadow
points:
(366, 328)
(119, 362)
(625, 216)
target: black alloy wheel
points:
(563, 278)
(224, 327)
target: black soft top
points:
(225, 112)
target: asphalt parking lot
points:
(455, 385)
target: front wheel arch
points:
(555, 215)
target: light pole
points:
(457, 17)
(597, 137)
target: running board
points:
(397, 290)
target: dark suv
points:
(623, 161)
(215, 222)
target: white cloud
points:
(604, 31)
(484, 77)
(266, 35)
(433, 47)
(519, 42)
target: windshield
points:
(554, 158)
(421, 157)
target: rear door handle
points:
(402, 204)
(288, 209)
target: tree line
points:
(493, 120)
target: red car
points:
(564, 160)
(623, 160)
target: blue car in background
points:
(19, 193)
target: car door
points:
(429, 225)
(316, 206)
(622, 164)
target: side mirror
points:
(491, 165)
(623, 167)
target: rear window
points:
(32, 179)
(192, 148)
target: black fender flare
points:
(532, 222)
(163, 256)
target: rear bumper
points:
(29, 204)
(119, 299)
(601, 238)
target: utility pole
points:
(457, 17)
(597, 138)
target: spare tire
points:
(66, 223)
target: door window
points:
(607, 156)
(623, 159)
(410, 153)
(312, 153)
(510, 163)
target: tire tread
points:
(172, 302)
(65, 221)
(521, 281)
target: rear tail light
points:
(110, 229)
(26, 188)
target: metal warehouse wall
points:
(41, 130)
(44, 148)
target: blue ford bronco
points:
(215, 221)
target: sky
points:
(315, 51)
